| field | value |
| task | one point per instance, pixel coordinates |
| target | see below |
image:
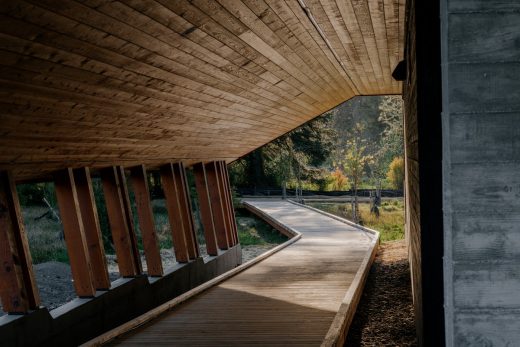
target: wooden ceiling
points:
(96, 83)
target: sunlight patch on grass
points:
(390, 222)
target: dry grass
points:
(390, 222)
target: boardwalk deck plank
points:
(290, 298)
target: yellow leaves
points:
(395, 173)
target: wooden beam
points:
(233, 216)
(18, 291)
(146, 221)
(217, 204)
(91, 228)
(123, 234)
(75, 238)
(206, 215)
(171, 194)
(186, 210)
(226, 203)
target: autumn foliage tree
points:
(338, 181)
(395, 174)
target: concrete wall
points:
(481, 130)
(83, 319)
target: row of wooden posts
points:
(18, 291)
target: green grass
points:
(46, 244)
(43, 235)
(390, 222)
(254, 231)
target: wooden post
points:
(116, 198)
(205, 208)
(171, 194)
(18, 290)
(226, 203)
(75, 238)
(233, 216)
(91, 228)
(186, 210)
(146, 221)
(217, 204)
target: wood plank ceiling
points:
(96, 83)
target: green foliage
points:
(44, 235)
(360, 136)
(390, 223)
(337, 181)
(254, 231)
(356, 156)
(395, 173)
(296, 156)
(32, 194)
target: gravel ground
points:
(55, 285)
(384, 316)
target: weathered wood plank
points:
(146, 221)
(217, 204)
(232, 209)
(91, 227)
(74, 231)
(18, 290)
(289, 298)
(226, 203)
(186, 210)
(172, 193)
(116, 198)
(206, 213)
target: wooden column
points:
(233, 216)
(18, 290)
(205, 208)
(120, 220)
(91, 228)
(186, 210)
(75, 238)
(171, 194)
(146, 221)
(226, 203)
(217, 204)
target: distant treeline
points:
(273, 191)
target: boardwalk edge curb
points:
(154, 313)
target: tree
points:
(355, 160)
(390, 143)
(296, 155)
(396, 173)
(338, 181)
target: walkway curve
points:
(303, 295)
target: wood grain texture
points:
(74, 232)
(97, 83)
(18, 290)
(232, 207)
(91, 227)
(290, 298)
(217, 204)
(186, 210)
(173, 195)
(123, 235)
(143, 207)
(206, 214)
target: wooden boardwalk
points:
(290, 298)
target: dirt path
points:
(384, 316)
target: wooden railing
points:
(75, 196)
